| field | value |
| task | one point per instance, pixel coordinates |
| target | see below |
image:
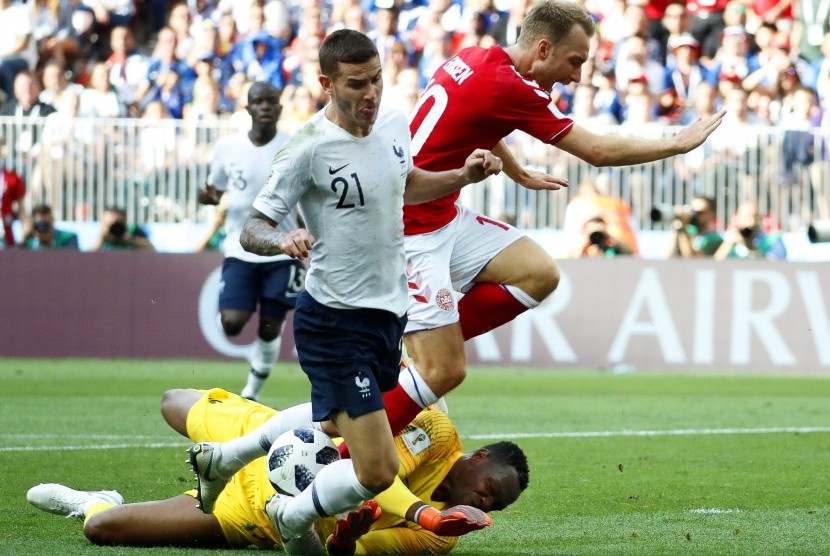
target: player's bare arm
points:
(612, 150)
(260, 236)
(209, 195)
(530, 179)
(423, 186)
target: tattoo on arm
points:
(260, 235)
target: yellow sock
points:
(97, 508)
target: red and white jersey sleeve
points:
(473, 101)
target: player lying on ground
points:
(414, 520)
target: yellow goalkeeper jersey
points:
(427, 448)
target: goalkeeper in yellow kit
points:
(423, 512)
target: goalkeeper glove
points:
(452, 522)
(343, 541)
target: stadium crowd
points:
(657, 61)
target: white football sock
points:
(414, 385)
(262, 361)
(335, 489)
(238, 452)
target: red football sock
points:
(485, 307)
(400, 410)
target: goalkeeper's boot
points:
(204, 460)
(62, 500)
(293, 542)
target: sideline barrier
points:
(736, 316)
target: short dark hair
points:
(710, 202)
(42, 209)
(508, 453)
(553, 20)
(345, 46)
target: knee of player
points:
(378, 478)
(231, 326)
(101, 529)
(443, 376)
(545, 275)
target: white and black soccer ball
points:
(296, 457)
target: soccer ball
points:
(296, 457)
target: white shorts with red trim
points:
(441, 265)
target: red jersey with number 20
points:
(473, 101)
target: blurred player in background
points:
(239, 169)
(434, 476)
(473, 101)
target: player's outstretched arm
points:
(530, 179)
(613, 150)
(260, 236)
(423, 186)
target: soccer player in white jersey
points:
(240, 166)
(350, 170)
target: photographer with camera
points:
(116, 234)
(597, 242)
(692, 233)
(40, 233)
(745, 239)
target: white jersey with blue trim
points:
(350, 191)
(239, 169)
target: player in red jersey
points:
(473, 101)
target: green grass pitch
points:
(641, 463)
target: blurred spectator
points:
(633, 62)
(157, 143)
(260, 57)
(405, 93)
(53, 31)
(593, 199)
(99, 99)
(738, 153)
(812, 22)
(437, 49)
(55, 81)
(771, 58)
(227, 35)
(706, 24)
(797, 144)
(25, 103)
(168, 79)
(745, 239)
(116, 234)
(205, 105)
(597, 242)
(18, 51)
(386, 36)
(300, 105)
(675, 23)
(639, 107)
(730, 63)
(584, 110)
(778, 12)
(41, 233)
(179, 20)
(819, 72)
(110, 13)
(505, 29)
(682, 78)
(692, 229)
(12, 193)
(233, 98)
(127, 67)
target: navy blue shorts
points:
(350, 356)
(274, 286)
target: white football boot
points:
(62, 500)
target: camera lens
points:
(42, 227)
(747, 233)
(597, 238)
(118, 229)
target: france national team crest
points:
(416, 441)
(363, 384)
(400, 153)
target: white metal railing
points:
(155, 168)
